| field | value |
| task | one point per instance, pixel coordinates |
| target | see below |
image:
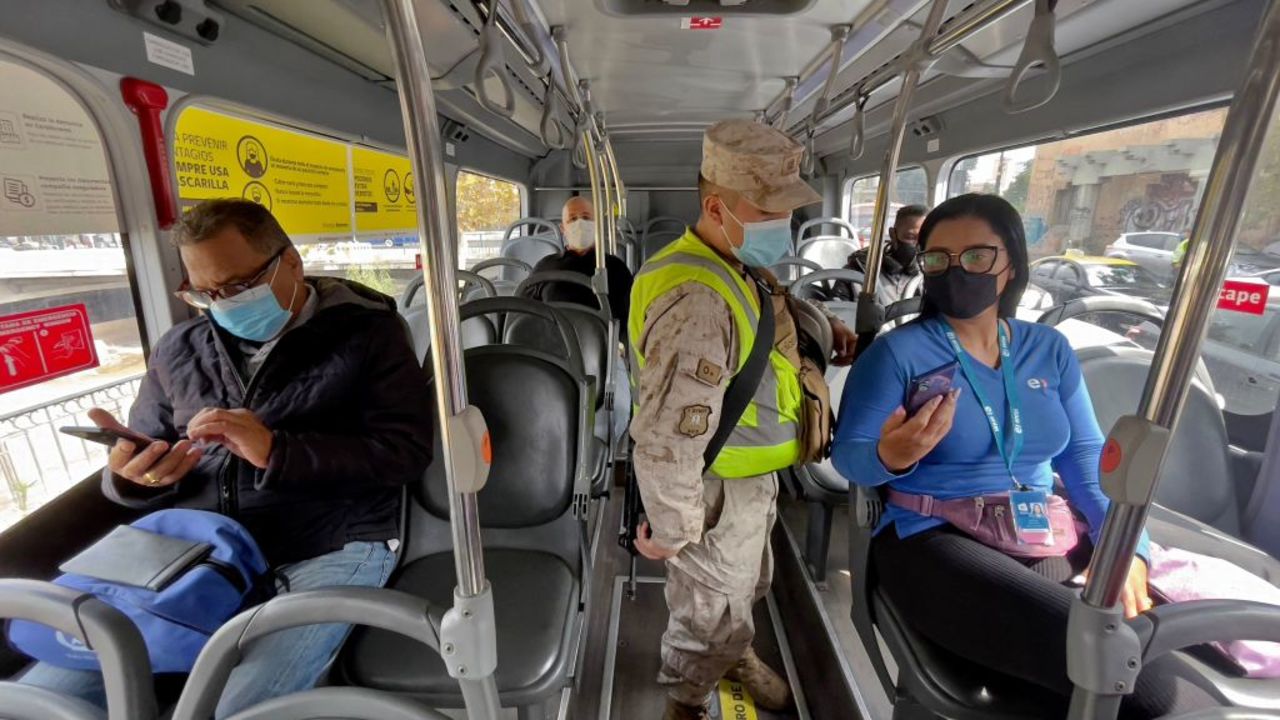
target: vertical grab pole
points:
(468, 628)
(593, 172)
(621, 195)
(1136, 445)
(870, 315)
(611, 220)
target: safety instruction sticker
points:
(385, 196)
(302, 179)
(54, 178)
(43, 344)
(735, 702)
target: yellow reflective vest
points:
(766, 438)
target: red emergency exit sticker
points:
(417, 261)
(1242, 296)
(701, 23)
(43, 344)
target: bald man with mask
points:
(577, 223)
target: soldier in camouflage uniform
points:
(693, 315)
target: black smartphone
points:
(104, 436)
(938, 381)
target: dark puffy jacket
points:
(349, 408)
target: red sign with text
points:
(1245, 297)
(42, 344)
(702, 23)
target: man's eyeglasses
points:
(976, 260)
(202, 299)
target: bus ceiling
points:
(830, 66)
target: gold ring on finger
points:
(150, 478)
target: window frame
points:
(522, 188)
(846, 188)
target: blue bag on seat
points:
(216, 570)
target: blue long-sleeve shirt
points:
(1061, 432)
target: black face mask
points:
(959, 294)
(904, 253)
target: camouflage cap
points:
(757, 161)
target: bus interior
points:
(425, 148)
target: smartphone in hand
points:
(106, 436)
(930, 385)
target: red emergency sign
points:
(701, 23)
(1245, 297)
(43, 344)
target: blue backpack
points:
(177, 620)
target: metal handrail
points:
(1131, 488)
(422, 138)
(869, 312)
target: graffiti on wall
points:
(1168, 206)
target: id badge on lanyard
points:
(1029, 507)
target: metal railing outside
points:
(37, 462)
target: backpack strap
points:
(737, 396)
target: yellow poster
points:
(301, 178)
(385, 198)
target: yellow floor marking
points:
(735, 702)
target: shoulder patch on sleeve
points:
(709, 372)
(694, 420)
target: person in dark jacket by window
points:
(577, 222)
(293, 404)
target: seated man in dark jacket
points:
(577, 223)
(292, 404)
(899, 277)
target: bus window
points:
(70, 338)
(349, 209)
(486, 207)
(860, 198)
(1130, 193)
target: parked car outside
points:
(1151, 250)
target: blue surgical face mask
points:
(763, 243)
(254, 314)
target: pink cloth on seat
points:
(1179, 575)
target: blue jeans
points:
(278, 664)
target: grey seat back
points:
(509, 273)
(657, 233)
(1196, 477)
(529, 240)
(126, 667)
(827, 249)
(474, 331)
(589, 329)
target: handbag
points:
(989, 520)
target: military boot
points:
(767, 688)
(677, 710)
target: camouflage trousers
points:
(712, 586)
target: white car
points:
(1151, 250)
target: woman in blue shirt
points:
(1003, 612)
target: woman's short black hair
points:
(1005, 222)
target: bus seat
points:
(592, 332)
(829, 251)
(83, 618)
(533, 545)
(1190, 513)
(1197, 508)
(790, 268)
(510, 272)
(657, 233)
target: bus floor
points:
(618, 669)
(834, 598)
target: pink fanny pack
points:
(989, 520)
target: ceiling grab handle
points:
(839, 35)
(566, 70)
(550, 122)
(493, 61)
(857, 144)
(788, 100)
(539, 63)
(1037, 50)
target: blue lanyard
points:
(1010, 391)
